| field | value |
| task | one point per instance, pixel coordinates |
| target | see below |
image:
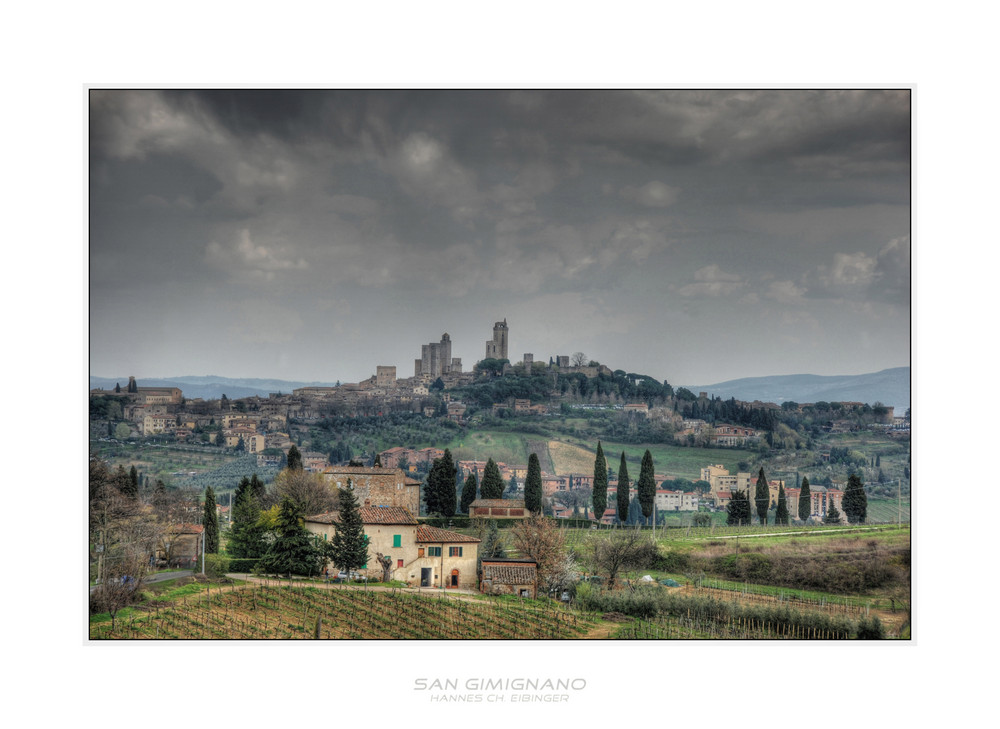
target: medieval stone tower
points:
(497, 347)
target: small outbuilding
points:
(498, 508)
(508, 576)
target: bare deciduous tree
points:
(538, 538)
(310, 491)
(618, 550)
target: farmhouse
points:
(419, 555)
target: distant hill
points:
(210, 387)
(890, 387)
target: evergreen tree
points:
(762, 498)
(439, 492)
(378, 460)
(294, 550)
(124, 483)
(623, 491)
(832, 515)
(210, 522)
(533, 486)
(257, 488)
(740, 512)
(492, 545)
(492, 485)
(781, 515)
(133, 477)
(805, 500)
(469, 492)
(646, 485)
(600, 493)
(246, 535)
(294, 459)
(855, 501)
(348, 550)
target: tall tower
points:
(497, 347)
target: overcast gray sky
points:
(695, 236)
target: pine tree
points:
(133, 477)
(257, 488)
(832, 515)
(210, 522)
(762, 498)
(492, 485)
(855, 501)
(469, 492)
(805, 500)
(533, 486)
(781, 515)
(294, 459)
(348, 550)
(294, 550)
(646, 485)
(600, 493)
(623, 491)
(739, 510)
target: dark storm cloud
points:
(283, 214)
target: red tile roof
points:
(369, 515)
(434, 535)
(501, 503)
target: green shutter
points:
(397, 540)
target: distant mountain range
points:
(210, 387)
(890, 387)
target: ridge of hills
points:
(890, 387)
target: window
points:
(434, 551)
(399, 563)
(420, 551)
(397, 540)
(454, 551)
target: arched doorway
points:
(453, 582)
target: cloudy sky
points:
(695, 236)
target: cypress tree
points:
(805, 500)
(781, 515)
(348, 550)
(378, 460)
(469, 492)
(762, 498)
(210, 522)
(439, 493)
(533, 486)
(294, 459)
(623, 491)
(600, 493)
(855, 501)
(646, 485)
(832, 515)
(133, 476)
(492, 485)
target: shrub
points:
(671, 561)
(241, 564)
(217, 565)
(870, 629)
(745, 566)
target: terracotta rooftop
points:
(369, 515)
(509, 571)
(361, 470)
(434, 535)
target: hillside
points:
(890, 387)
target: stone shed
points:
(506, 576)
